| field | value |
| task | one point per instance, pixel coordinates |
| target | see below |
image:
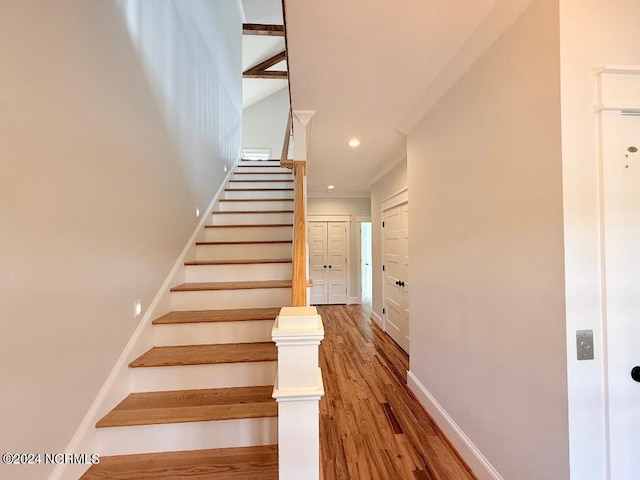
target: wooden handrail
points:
(299, 281)
(284, 161)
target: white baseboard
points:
(377, 318)
(116, 386)
(354, 301)
(463, 444)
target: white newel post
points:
(297, 333)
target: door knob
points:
(635, 373)
(325, 266)
(329, 266)
(398, 282)
(402, 284)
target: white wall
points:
(97, 189)
(264, 123)
(345, 206)
(486, 255)
(593, 34)
(392, 182)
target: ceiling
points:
(370, 69)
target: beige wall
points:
(392, 182)
(97, 191)
(345, 206)
(593, 34)
(264, 123)
(486, 252)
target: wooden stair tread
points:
(262, 173)
(249, 285)
(272, 181)
(232, 315)
(252, 225)
(183, 406)
(245, 242)
(207, 354)
(258, 189)
(269, 160)
(239, 262)
(275, 163)
(250, 211)
(256, 200)
(255, 463)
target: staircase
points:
(201, 404)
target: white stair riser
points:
(245, 184)
(242, 194)
(263, 176)
(255, 205)
(223, 299)
(262, 169)
(203, 333)
(193, 377)
(274, 162)
(238, 272)
(251, 218)
(243, 251)
(188, 436)
(246, 234)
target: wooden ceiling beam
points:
(260, 70)
(262, 29)
(271, 75)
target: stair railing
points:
(299, 284)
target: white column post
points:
(297, 333)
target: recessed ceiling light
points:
(354, 142)
(330, 187)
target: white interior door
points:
(621, 224)
(317, 238)
(328, 257)
(396, 249)
(337, 258)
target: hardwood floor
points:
(371, 425)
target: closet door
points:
(396, 262)
(317, 238)
(328, 262)
(337, 259)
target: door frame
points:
(357, 220)
(338, 218)
(394, 200)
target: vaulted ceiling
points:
(258, 48)
(370, 69)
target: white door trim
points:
(398, 198)
(357, 220)
(329, 218)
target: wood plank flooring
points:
(371, 425)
